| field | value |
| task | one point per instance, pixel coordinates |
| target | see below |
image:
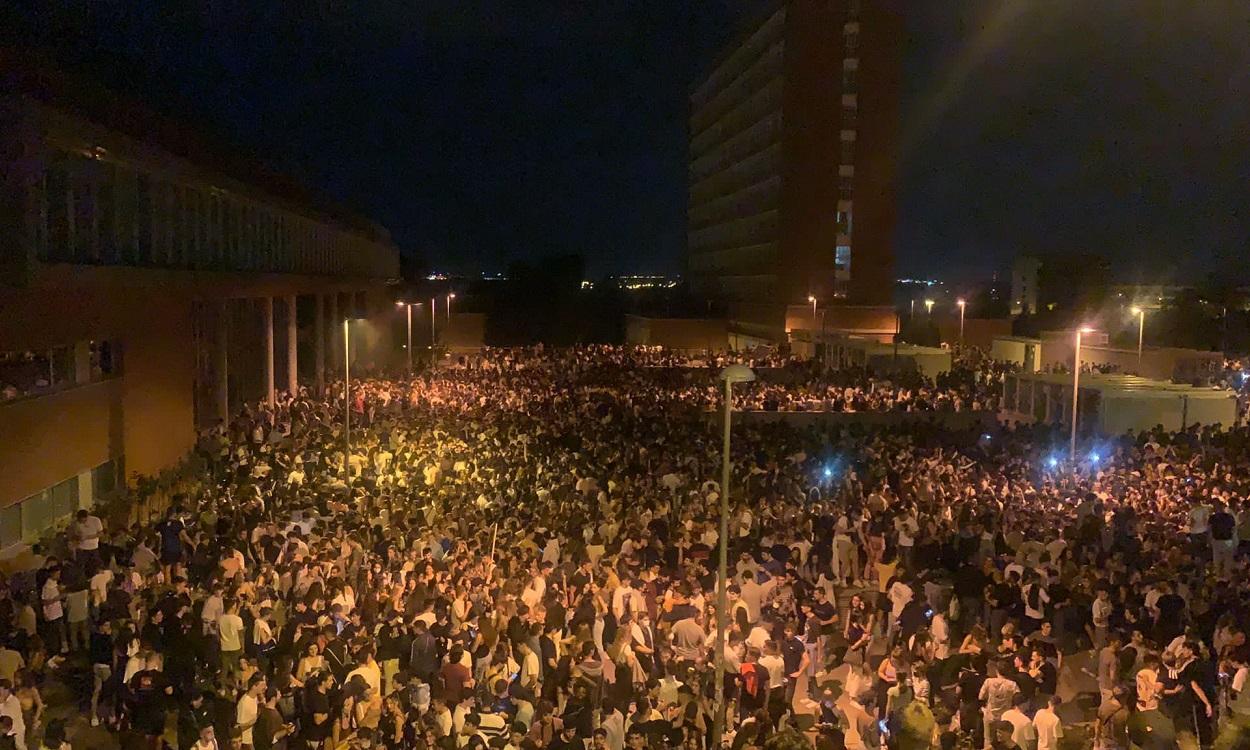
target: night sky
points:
(480, 132)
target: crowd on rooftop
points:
(520, 553)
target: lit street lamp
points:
(450, 296)
(1140, 312)
(1076, 388)
(962, 304)
(409, 305)
(731, 374)
(928, 307)
(812, 298)
(433, 313)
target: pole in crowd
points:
(731, 374)
(1076, 390)
(1140, 312)
(962, 305)
(347, 403)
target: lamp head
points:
(1086, 329)
(1137, 310)
(452, 295)
(960, 302)
(811, 298)
(737, 374)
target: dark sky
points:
(484, 131)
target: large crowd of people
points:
(520, 552)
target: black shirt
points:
(316, 702)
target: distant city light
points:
(1052, 462)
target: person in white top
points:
(87, 531)
(1022, 726)
(248, 708)
(54, 611)
(11, 707)
(230, 638)
(1047, 726)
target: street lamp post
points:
(408, 349)
(812, 298)
(928, 307)
(450, 296)
(731, 374)
(1140, 312)
(347, 403)
(962, 305)
(1076, 389)
(433, 312)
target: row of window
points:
(94, 211)
(25, 521)
(34, 373)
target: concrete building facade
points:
(793, 161)
(145, 294)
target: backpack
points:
(752, 684)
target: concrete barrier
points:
(949, 420)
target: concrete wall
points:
(978, 332)
(51, 438)
(1173, 412)
(466, 332)
(875, 321)
(963, 420)
(685, 334)
(148, 413)
(1010, 350)
(1163, 363)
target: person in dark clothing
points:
(270, 731)
(194, 714)
(149, 695)
(423, 655)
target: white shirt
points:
(1049, 729)
(12, 708)
(209, 613)
(77, 604)
(88, 532)
(52, 600)
(245, 716)
(1239, 679)
(1042, 600)
(1101, 613)
(230, 632)
(900, 594)
(371, 674)
(99, 585)
(776, 667)
(1199, 517)
(941, 632)
(1022, 732)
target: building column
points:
(221, 361)
(336, 351)
(269, 387)
(82, 362)
(319, 344)
(292, 345)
